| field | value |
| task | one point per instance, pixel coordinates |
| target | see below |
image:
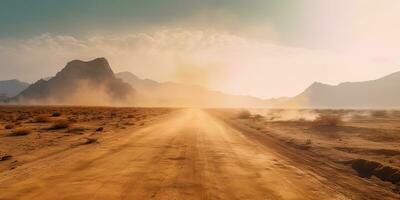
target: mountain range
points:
(94, 83)
(153, 93)
(79, 83)
(379, 93)
(10, 88)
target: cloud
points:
(216, 59)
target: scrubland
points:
(367, 142)
(28, 133)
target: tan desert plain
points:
(199, 100)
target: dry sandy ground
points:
(181, 154)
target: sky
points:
(263, 48)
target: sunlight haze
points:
(233, 46)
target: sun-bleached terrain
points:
(159, 153)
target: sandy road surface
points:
(190, 155)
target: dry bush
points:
(42, 119)
(76, 130)
(72, 119)
(60, 124)
(327, 120)
(244, 114)
(258, 117)
(22, 117)
(379, 113)
(128, 123)
(9, 126)
(89, 141)
(20, 132)
(4, 156)
(56, 114)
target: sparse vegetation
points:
(327, 121)
(9, 126)
(76, 130)
(244, 114)
(20, 132)
(258, 117)
(128, 123)
(42, 119)
(90, 141)
(72, 119)
(22, 117)
(60, 124)
(5, 156)
(379, 113)
(56, 114)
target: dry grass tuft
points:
(379, 113)
(4, 156)
(77, 130)
(244, 114)
(90, 141)
(42, 119)
(56, 114)
(60, 124)
(9, 126)
(20, 132)
(327, 121)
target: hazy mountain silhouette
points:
(153, 93)
(380, 93)
(10, 88)
(94, 83)
(79, 83)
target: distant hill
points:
(79, 83)
(10, 88)
(153, 93)
(380, 93)
(94, 83)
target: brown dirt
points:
(175, 154)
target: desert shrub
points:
(56, 114)
(72, 119)
(244, 114)
(90, 141)
(9, 126)
(76, 130)
(20, 132)
(327, 120)
(379, 113)
(60, 124)
(128, 123)
(99, 129)
(5, 156)
(42, 119)
(22, 117)
(258, 117)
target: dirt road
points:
(190, 155)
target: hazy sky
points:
(265, 48)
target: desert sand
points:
(162, 153)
